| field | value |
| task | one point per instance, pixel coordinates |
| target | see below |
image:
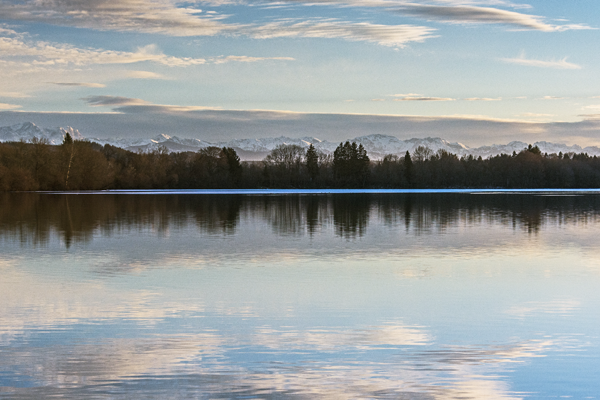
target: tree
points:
(535, 150)
(351, 164)
(68, 147)
(408, 168)
(312, 162)
(283, 164)
(422, 154)
(233, 165)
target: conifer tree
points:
(312, 162)
(408, 168)
(233, 165)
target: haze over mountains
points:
(256, 149)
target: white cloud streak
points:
(6, 106)
(555, 64)
(144, 75)
(449, 11)
(422, 98)
(483, 99)
(388, 35)
(149, 16)
(164, 17)
(246, 59)
(16, 51)
(14, 95)
(48, 54)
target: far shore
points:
(327, 191)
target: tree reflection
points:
(34, 219)
(351, 215)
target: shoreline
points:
(322, 191)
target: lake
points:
(171, 295)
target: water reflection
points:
(33, 218)
(306, 296)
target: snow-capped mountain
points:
(376, 145)
(28, 130)
(380, 145)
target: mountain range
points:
(256, 149)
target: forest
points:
(83, 165)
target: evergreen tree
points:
(351, 164)
(69, 152)
(312, 162)
(362, 165)
(68, 139)
(408, 168)
(233, 165)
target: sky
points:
(474, 71)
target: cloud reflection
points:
(210, 364)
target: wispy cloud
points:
(42, 55)
(226, 59)
(113, 101)
(478, 15)
(483, 99)
(144, 75)
(150, 16)
(556, 64)
(388, 35)
(14, 95)
(536, 115)
(6, 106)
(451, 11)
(423, 98)
(164, 17)
(82, 84)
(136, 106)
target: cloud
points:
(136, 106)
(163, 17)
(478, 15)
(144, 75)
(83, 84)
(144, 120)
(388, 35)
(406, 95)
(458, 12)
(112, 101)
(560, 64)
(226, 59)
(14, 95)
(5, 106)
(483, 99)
(149, 16)
(43, 54)
(421, 98)
(536, 115)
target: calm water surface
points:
(402, 296)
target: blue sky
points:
(528, 65)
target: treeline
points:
(81, 165)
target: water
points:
(403, 296)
